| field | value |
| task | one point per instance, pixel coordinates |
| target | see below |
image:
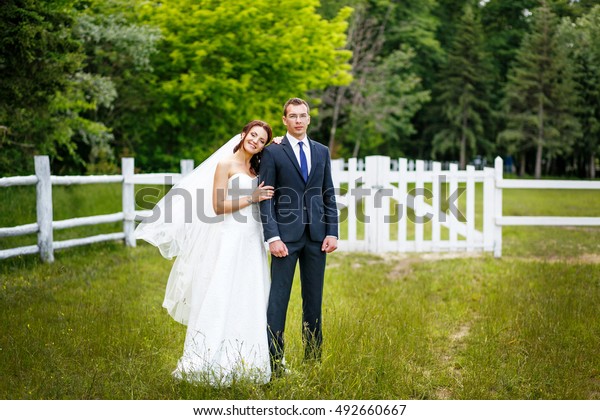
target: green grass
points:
(397, 326)
(18, 208)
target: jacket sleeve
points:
(268, 175)
(330, 211)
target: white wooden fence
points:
(45, 225)
(378, 197)
(377, 194)
(374, 186)
(501, 220)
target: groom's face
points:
(296, 120)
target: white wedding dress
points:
(219, 283)
(226, 338)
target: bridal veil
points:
(184, 224)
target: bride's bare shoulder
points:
(224, 166)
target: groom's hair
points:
(295, 101)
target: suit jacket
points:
(297, 203)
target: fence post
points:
(453, 215)
(470, 208)
(376, 175)
(436, 185)
(44, 208)
(187, 166)
(488, 209)
(402, 204)
(498, 168)
(127, 168)
(418, 213)
(351, 213)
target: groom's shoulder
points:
(319, 146)
(273, 148)
(273, 145)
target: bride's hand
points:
(277, 140)
(263, 192)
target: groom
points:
(300, 224)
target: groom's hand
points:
(278, 249)
(329, 244)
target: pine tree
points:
(580, 39)
(464, 94)
(540, 96)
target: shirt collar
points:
(294, 141)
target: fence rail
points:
(372, 188)
(45, 225)
(501, 220)
(374, 196)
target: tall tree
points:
(540, 96)
(365, 40)
(223, 63)
(374, 114)
(580, 39)
(118, 52)
(464, 94)
(381, 113)
(505, 23)
(38, 60)
(415, 24)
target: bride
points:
(219, 283)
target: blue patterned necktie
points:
(303, 162)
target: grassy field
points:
(396, 326)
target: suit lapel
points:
(290, 153)
(313, 159)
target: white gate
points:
(450, 210)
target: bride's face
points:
(255, 140)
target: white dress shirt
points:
(296, 148)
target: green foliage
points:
(118, 50)
(57, 101)
(392, 94)
(224, 63)
(38, 59)
(91, 81)
(580, 40)
(374, 114)
(415, 24)
(505, 25)
(540, 96)
(464, 95)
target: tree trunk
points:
(538, 161)
(463, 142)
(540, 141)
(593, 166)
(522, 165)
(334, 121)
(356, 147)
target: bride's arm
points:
(221, 205)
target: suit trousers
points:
(312, 271)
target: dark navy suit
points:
(302, 214)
